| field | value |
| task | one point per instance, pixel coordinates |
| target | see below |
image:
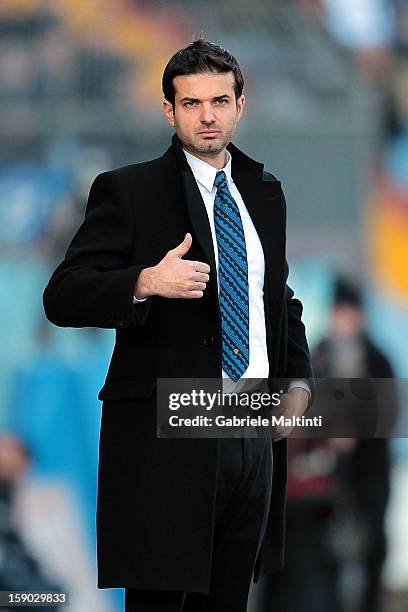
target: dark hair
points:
(346, 291)
(200, 56)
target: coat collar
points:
(242, 165)
(206, 174)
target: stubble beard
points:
(209, 149)
(212, 148)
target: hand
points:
(174, 277)
(293, 404)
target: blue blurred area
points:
(29, 194)
(397, 158)
(53, 408)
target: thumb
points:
(184, 246)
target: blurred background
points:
(326, 83)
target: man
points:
(185, 256)
(349, 352)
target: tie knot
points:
(220, 179)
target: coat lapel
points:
(262, 200)
(199, 220)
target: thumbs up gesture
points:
(174, 277)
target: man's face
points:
(347, 320)
(205, 113)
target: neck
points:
(218, 161)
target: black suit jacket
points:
(156, 498)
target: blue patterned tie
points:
(233, 280)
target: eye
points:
(189, 104)
(222, 101)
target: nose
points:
(207, 115)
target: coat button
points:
(208, 340)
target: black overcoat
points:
(156, 497)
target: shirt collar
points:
(205, 173)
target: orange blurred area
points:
(143, 38)
(387, 233)
(19, 7)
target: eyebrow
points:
(187, 99)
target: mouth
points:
(209, 133)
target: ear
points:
(168, 111)
(240, 106)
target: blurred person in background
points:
(349, 352)
(19, 570)
(313, 489)
(187, 519)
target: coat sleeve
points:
(93, 286)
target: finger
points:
(183, 247)
(199, 266)
(191, 295)
(200, 277)
(197, 286)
